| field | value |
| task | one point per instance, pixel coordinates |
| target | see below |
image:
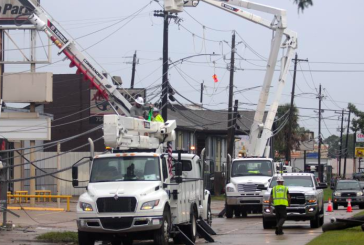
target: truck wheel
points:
(237, 211)
(209, 215)
(268, 224)
(315, 223)
(229, 211)
(85, 238)
(161, 236)
(322, 219)
(335, 206)
(243, 212)
(191, 229)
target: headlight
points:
(311, 199)
(337, 194)
(149, 205)
(86, 207)
(360, 193)
(230, 189)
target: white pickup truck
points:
(132, 196)
(307, 200)
(242, 195)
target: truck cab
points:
(133, 196)
(242, 195)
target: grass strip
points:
(59, 237)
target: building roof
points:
(214, 121)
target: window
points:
(186, 165)
(252, 168)
(165, 169)
(125, 169)
(301, 181)
(343, 185)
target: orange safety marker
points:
(349, 209)
(329, 207)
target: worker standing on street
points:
(156, 116)
(138, 110)
(281, 200)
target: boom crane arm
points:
(105, 88)
(259, 132)
(121, 132)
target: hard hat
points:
(280, 178)
(155, 109)
(140, 100)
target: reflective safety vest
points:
(158, 118)
(280, 195)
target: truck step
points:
(206, 227)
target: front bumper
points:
(245, 200)
(111, 224)
(307, 212)
(344, 200)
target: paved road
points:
(230, 231)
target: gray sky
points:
(329, 32)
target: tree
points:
(297, 133)
(334, 145)
(303, 4)
(357, 123)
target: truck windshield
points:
(125, 169)
(252, 168)
(301, 181)
(347, 186)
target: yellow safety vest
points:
(158, 118)
(280, 195)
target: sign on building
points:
(99, 108)
(11, 9)
(359, 137)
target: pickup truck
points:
(306, 200)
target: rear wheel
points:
(322, 218)
(335, 206)
(209, 215)
(237, 211)
(161, 236)
(85, 238)
(191, 229)
(229, 211)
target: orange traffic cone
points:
(329, 207)
(349, 209)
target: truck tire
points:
(85, 238)
(268, 224)
(191, 229)
(161, 236)
(315, 223)
(237, 211)
(322, 219)
(229, 211)
(209, 215)
(335, 206)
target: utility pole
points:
(133, 70)
(341, 141)
(201, 97)
(32, 184)
(319, 138)
(354, 157)
(346, 145)
(231, 85)
(291, 111)
(231, 136)
(165, 84)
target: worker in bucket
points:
(156, 116)
(138, 110)
(281, 200)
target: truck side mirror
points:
(74, 176)
(322, 186)
(223, 170)
(178, 168)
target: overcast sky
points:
(330, 36)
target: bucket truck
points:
(136, 191)
(245, 174)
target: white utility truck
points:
(245, 175)
(136, 191)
